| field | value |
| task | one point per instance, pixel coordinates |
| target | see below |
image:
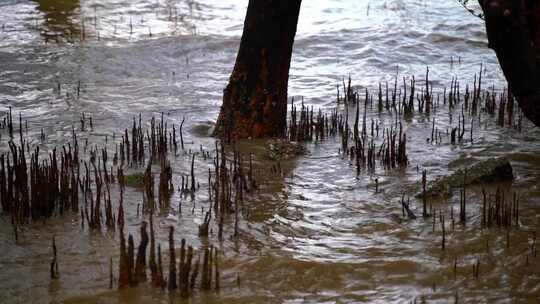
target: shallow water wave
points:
(319, 232)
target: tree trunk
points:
(255, 100)
(513, 30)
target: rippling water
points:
(319, 234)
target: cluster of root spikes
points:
(372, 126)
(79, 178)
(405, 100)
(190, 271)
(497, 212)
(38, 183)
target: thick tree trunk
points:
(255, 100)
(513, 29)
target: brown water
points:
(320, 233)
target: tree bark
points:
(255, 99)
(513, 30)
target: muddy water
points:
(319, 232)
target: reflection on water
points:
(59, 18)
(319, 233)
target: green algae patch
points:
(135, 180)
(279, 149)
(487, 171)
